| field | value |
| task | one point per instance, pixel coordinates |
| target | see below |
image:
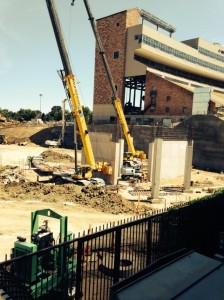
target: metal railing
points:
(86, 267)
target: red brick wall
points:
(179, 97)
(112, 31)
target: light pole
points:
(40, 103)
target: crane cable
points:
(69, 43)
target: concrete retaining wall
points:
(208, 136)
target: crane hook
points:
(73, 2)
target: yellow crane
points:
(74, 101)
(132, 153)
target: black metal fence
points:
(86, 267)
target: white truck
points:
(129, 171)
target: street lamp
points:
(40, 102)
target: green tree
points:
(55, 114)
(25, 114)
(6, 113)
(88, 114)
(69, 116)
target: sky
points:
(29, 57)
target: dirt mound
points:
(105, 201)
(98, 198)
(32, 134)
(52, 156)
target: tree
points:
(25, 114)
(6, 113)
(69, 116)
(55, 114)
(88, 114)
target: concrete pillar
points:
(121, 155)
(150, 161)
(157, 154)
(188, 165)
(115, 164)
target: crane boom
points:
(72, 92)
(71, 84)
(115, 99)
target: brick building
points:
(157, 77)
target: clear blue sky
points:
(29, 57)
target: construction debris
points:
(98, 198)
(11, 174)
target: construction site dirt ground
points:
(21, 194)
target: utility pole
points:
(40, 103)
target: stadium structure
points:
(157, 77)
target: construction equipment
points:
(69, 83)
(61, 178)
(60, 141)
(44, 272)
(133, 153)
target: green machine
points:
(48, 269)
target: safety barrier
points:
(86, 267)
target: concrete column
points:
(150, 161)
(115, 164)
(121, 155)
(188, 165)
(157, 154)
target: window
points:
(128, 120)
(138, 120)
(167, 109)
(118, 24)
(116, 54)
(168, 98)
(184, 110)
(113, 120)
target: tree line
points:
(54, 115)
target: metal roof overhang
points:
(166, 59)
(191, 276)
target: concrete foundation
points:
(169, 159)
(156, 169)
(121, 155)
(188, 165)
(105, 150)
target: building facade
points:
(157, 77)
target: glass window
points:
(167, 109)
(116, 54)
(184, 110)
(151, 42)
(168, 98)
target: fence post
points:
(78, 292)
(148, 241)
(117, 255)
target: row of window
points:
(210, 54)
(167, 49)
(184, 109)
